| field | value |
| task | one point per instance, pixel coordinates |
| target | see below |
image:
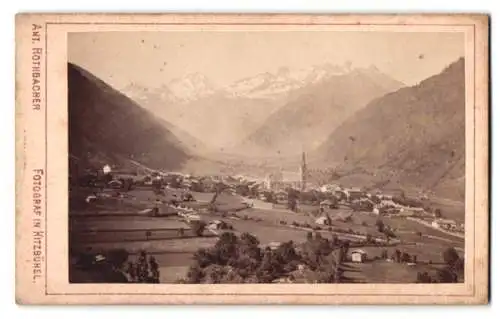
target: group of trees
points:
(384, 229)
(245, 189)
(143, 270)
(454, 266)
(240, 259)
(362, 206)
(400, 256)
(197, 227)
(114, 266)
(315, 197)
(452, 272)
(292, 199)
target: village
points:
(174, 216)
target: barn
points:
(358, 256)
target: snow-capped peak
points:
(190, 87)
(268, 85)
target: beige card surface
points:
(252, 159)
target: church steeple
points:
(303, 172)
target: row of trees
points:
(399, 256)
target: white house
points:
(358, 256)
(215, 225)
(323, 220)
(326, 204)
(274, 245)
(193, 217)
(444, 223)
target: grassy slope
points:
(106, 126)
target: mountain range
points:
(372, 129)
(209, 113)
(313, 112)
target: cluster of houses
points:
(448, 225)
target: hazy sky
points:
(153, 58)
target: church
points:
(281, 179)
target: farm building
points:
(447, 224)
(323, 220)
(192, 217)
(353, 194)
(216, 224)
(358, 256)
(329, 188)
(327, 204)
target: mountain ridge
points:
(413, 137)
(106, 126)
(312, 113)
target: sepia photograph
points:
(261, 152)
(302, 161)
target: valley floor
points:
(100, 228)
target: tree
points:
(384, 255)
(380, 225)
(423, 278)
(248, 239)
(292, 204)
(194, 275)
(335, 240)
(270, 197)
(309, 236)
(287, 255)
(204, 257)
(398, 255)
(446, 275)
(438, 213)
(344, 250)
(454, 264)
(243, 189)
(197, 227)
(450, 256)
(414, 259)
(369, 239)
(405, 258)
(317, 236)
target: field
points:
(267, 233)
(178, 245)
(106, 223)
(450, 209)
(381, 271)
(115, 223)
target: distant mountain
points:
(282, 82)
(107, 127)
(314, 111)
(413, 137)
(224, 116)
(191, 87)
